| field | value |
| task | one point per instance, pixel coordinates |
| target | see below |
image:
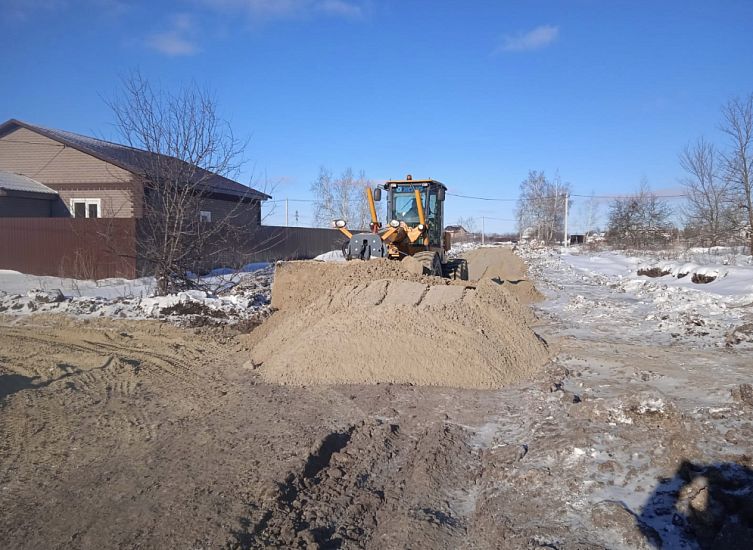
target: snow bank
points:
(331, 256)
(234, 296)
(727, 280)
(602, 297)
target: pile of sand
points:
(503, 266)
(297, 284)
(373, 322)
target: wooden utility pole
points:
(567, 199)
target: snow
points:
(599, 295)
(729, 280)
(331, 256)
(227, 295)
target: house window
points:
(205, 216)
(86, 208)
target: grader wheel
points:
(456, 269)
(431, 262)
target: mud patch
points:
(653, 272)
(701, 279)
(368, 487)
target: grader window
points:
(406, 209)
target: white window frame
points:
(87, 202)
(205, 216)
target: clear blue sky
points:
(473, 93)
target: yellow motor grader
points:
(415, 225)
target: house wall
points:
(243, 214)
(70, 172)
(21, 207)
(116, 203)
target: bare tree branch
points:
(709, 211)
(184, 150)
(641, 220)
(541, 207)
(737, 123)
(342, 198)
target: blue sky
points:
(472, 93)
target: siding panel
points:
(47, 161)
(242, 214)
(116, 203)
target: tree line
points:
(718, 192)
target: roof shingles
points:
(17, 182)
(134, 160)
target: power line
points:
(482, 198)
(31, 143)
(490, 218)
(561, 195)
(56, 155)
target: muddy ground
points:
(138, 434)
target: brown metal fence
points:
(271, 243)
(103, 248)
(69, 247)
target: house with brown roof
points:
(456, 231)
(45, 172)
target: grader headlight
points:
(394, 223)
(421, 227)
(339, 224)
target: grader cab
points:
(415, 225)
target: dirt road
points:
(141, 435)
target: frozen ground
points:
(636, 435)
(228, 297)
(651, 370)
(597, 296)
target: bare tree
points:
(709, 210)
(470, 225)
(737, 123)
(342, 198)
(541, 206)
(589, 214)
(640, 220)
(184, 149)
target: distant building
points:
(456, 231)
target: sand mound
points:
(523, 289)
(504, 266)
(297, 284)
(495, 263)
(399, 331)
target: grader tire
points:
(455, 269)
(431, 263)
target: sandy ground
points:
(137, 434)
